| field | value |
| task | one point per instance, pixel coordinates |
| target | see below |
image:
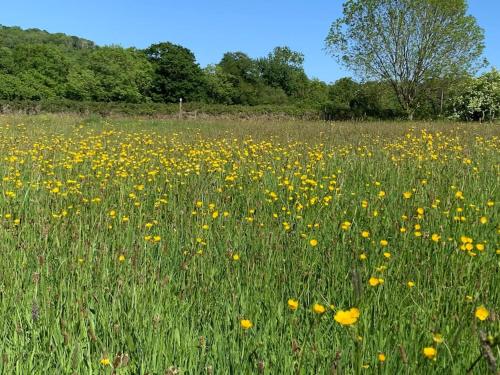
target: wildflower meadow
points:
(237, 247)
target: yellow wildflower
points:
(246, 324)
(293, 304)
(435, 237)
(319, 309)
(482, 313)
(374, 281)
(430, 352)
(437, 337)
(348, 317)
(105, 361)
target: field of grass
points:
(140, 246)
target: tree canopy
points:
(477, 99)
(414, 57)
(406, 42)
(176, 73)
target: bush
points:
(298, 110)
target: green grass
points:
(67, 301)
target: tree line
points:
(39, 66)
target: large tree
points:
(284, 68)
(218, 85)
(176, 73)
(406, 42)
(246, 77)
(243, 74)
(112, 74)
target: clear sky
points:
(210, 28)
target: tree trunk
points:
(441, 104)
(410, 112)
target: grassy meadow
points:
(132, 246)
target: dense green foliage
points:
(163, 110)
(176, 73)
(40, 71)
(36, 65)
(478, 98)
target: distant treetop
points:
(11, 37)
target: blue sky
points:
(210, 28)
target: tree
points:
(316, 91)
(406, 42)
(82, 84)
(117, 74)
(7, 64)
(12, 37)
(44, 66)
(477, 98)
(32, 72)
(218, 85)
(284, 68)
(15, 88)
(176, 73)
(243, 74)
(240, 66)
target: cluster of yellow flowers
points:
(345, 318)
